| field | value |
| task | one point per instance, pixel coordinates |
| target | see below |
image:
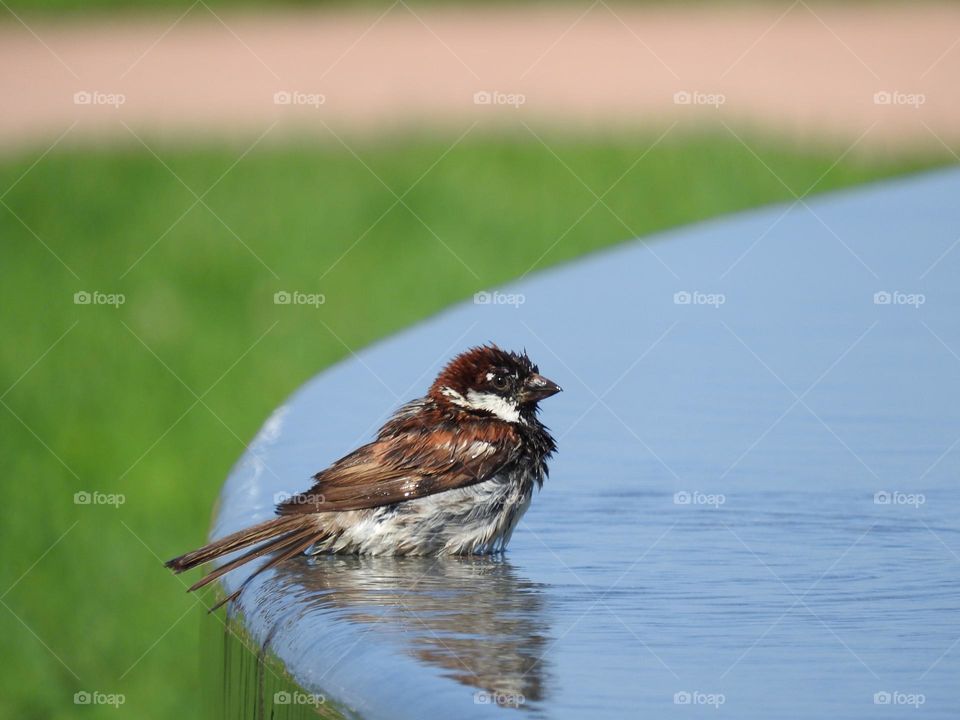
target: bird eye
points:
(499, 382)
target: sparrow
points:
(450, 473)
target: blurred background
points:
(204, 204)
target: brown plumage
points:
(408, 460)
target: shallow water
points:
(753, 512)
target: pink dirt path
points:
(884, 74)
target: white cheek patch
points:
(503, 409)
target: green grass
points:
(100, 412)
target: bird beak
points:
(537, 387)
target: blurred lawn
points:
(100, 412)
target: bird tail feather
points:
(285, 536)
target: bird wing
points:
(406, 466)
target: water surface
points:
(753, 512)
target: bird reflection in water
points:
(472, 617)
